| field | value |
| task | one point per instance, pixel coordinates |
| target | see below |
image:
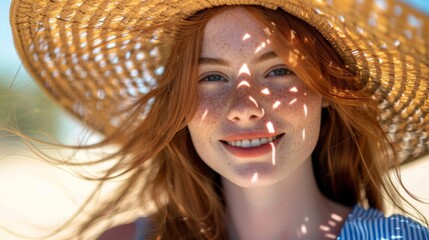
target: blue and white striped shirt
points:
(361, 224)
(370, 224)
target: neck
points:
(293, 208)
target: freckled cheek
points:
(210, 107)
(308, 126)
(301, 109)
(297, 99)
(288, 103)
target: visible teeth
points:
(247, 143)
(256, 142)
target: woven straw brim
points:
(95, 58)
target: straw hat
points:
(94, 59)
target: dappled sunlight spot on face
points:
(273, 153)
(293, 101)
(293, 89)
(265, 91)
(255, 177)
(262, 46)
(254, 101)
(204, 115)
(270, 127)
(243, 83)
(244, 69)
(246, 36)
(276, 104)
(305, 110)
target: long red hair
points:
(350, 162)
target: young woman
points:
(276, 121)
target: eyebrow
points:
(217, 61)
(267, 56)
(213, 61)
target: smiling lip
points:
(252, 151)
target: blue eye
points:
(279, 72)
(213, 78)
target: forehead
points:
(233, 29)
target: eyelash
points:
(206, 78)
(277, 68)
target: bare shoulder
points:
(121, 232)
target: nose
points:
(245, 106)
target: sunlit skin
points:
(245, 95)
(245, 92)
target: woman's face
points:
(256, 121)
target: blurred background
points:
(36, 197)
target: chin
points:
(257, 184)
